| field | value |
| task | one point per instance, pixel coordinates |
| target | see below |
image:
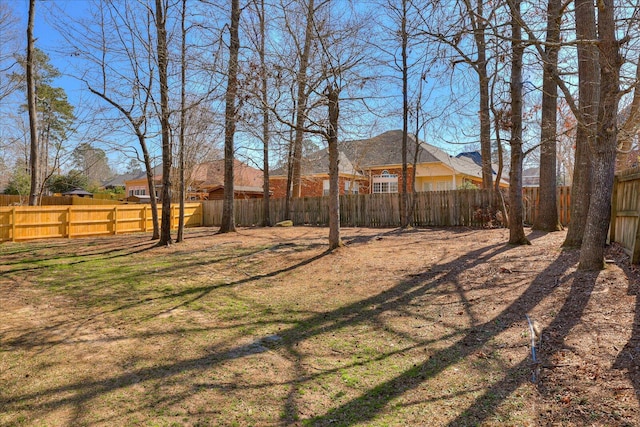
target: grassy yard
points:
(265, 328)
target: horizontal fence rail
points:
(432, 208)
(436, 208)
(39, 222)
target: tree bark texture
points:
(547, 218)
(266, 215)
(183, 112)
(301, 104)
(588, 95)
(333, 94)
(165, 221)
(483, 81)
(228, 216)
(628, 131)
(516, 228)
(404, 197)
(34, 157)
(603, 149)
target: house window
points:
(385, 182)
(427, 186)
(325, 187)
(385, 187)
(443, 185)
(351, 187)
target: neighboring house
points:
(239, 192)
(531, 177)
(205, 179)
(472, 155)
(138, 186)
(315, 176)
(375, 164)
(118, 181)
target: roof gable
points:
(385, 149)
(381, 151)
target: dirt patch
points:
(264, 327)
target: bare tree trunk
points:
(516, 228)
(483, 80)
(228, 216)
(416, 152)
(165, 221)
(404, 197)
(498, 198)
(301, 104)
(603, 150)
(287, 199)
(266, 216)
(333, 94)
(629, 129)
(547, 218)
(588, 96)
(146, 157)
(34, 159)
(183, 112)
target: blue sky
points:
(51, 42)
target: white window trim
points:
(325, 187)
(390, 179)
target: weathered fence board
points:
(433, 208)
(437, 208)
(531, 201)
(39, 222)
(625, 213)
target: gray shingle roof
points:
(318, 163)
(383, 150)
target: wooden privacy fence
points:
(435, 208)
(625, 212)
(37, 222)
(531, 202)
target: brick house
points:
(205, 179)
(315, 177)
(374, 165)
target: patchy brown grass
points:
(264, 327)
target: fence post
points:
(144, 218)
(13, 224)
(115, 219)
(69, 222)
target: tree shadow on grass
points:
(104, 254)
(568, 317)
(80, 393)
(370, 404)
